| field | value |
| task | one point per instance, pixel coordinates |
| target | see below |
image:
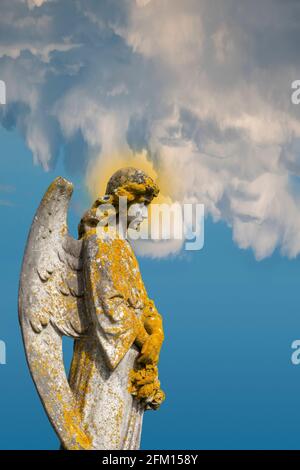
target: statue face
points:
(137, 212)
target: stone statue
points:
(91, 290)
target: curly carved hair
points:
(129, 182)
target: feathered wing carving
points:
(51, 304)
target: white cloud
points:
(171, 33)
(36, 3)
(203, 86)
(41, 51)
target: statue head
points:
(136, 186)
(132, 183)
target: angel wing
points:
(51, 304)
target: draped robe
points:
(102, 360)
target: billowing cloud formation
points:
(203, 86)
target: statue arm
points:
(141, 336)
(153, 328)
(121, 322)
(145, 384)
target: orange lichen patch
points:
(136, 192)
(151, 350)
(132, 191)
(124, 291)
(56, 185)
(72, 423)
(145, 386)
(121, 298)
(120, 268)
(79, 383)
(64, 230)
(123, 269)
(152, 321)
(101, 170)
(57, 401)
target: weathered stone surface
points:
(91, 290)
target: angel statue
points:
(91, 289)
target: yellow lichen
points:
(145, 386)
(115, 256)
(138, 319)
(72, 423)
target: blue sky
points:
(202, 91)
(229, 323)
